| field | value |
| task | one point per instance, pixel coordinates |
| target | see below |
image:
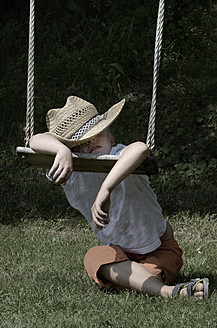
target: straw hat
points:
(78, 121)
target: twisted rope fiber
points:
(157, 56)
(29, 129)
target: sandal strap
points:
(205, 282)
(190, 289)
(177, 288)
(191, 285)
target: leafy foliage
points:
(103, 52)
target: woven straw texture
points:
(64, 122)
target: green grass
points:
(44, 283)
(43, 241)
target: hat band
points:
(86, 127)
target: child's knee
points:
(91, 255)
(100, 255)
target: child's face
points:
(100, 144)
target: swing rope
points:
(29, 129)
(157, 56)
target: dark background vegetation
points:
(103, 51)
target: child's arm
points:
(132, 156)
(62, 167)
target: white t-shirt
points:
(136, 221)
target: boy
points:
(139, 250)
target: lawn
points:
(44, 283)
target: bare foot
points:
(198, 291)
(198, 288)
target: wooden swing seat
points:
(82, 162)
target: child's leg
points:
(130, 274)
(108, 265)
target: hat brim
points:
(108, 118)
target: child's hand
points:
(62, 167)
(100, 209)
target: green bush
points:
(103, 52)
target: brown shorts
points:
(164, 263)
